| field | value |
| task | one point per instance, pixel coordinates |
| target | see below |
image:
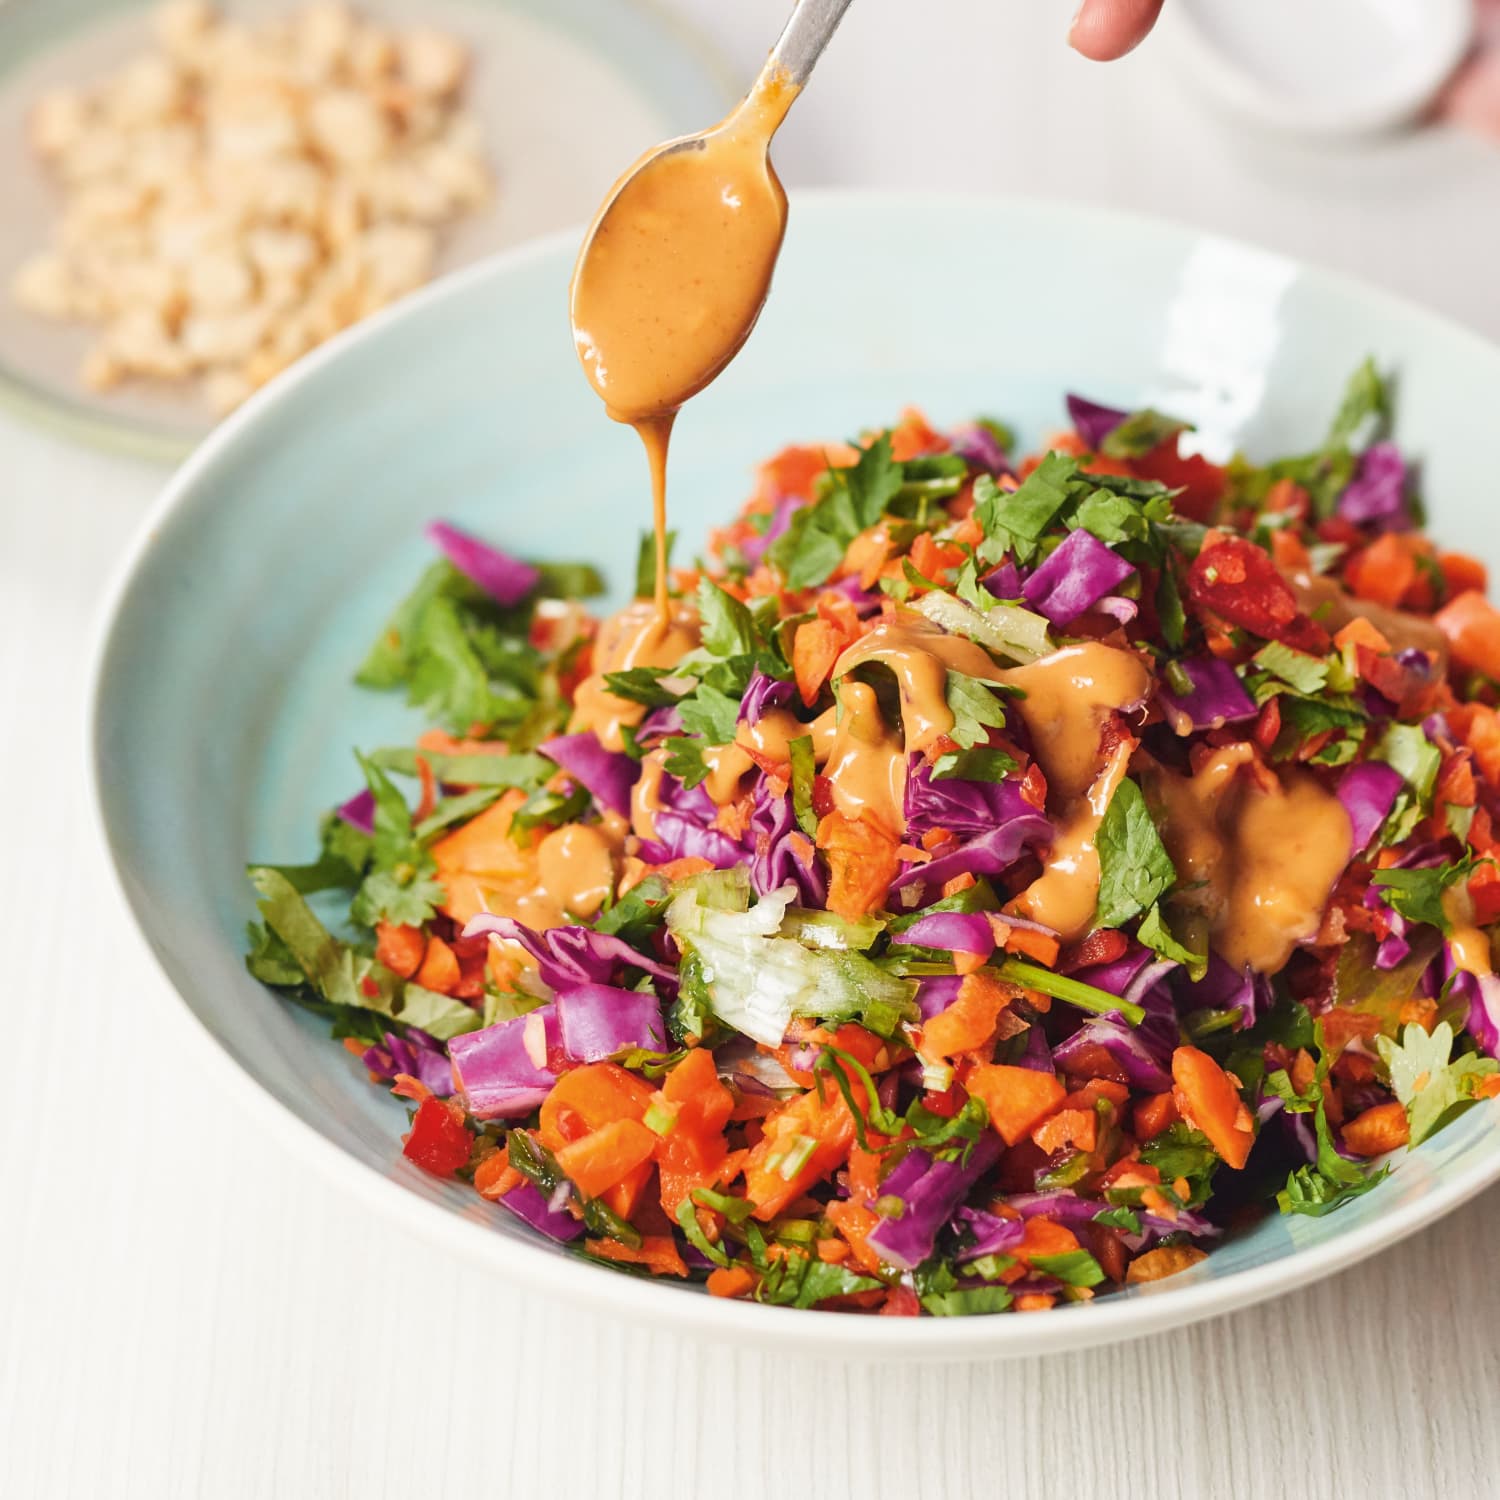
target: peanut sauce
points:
(674, 273)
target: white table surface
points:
(186, 1311)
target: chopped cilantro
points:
(1418, 894)
(1432, 1088)
(1140, 432)
(1134, 867)
(975, 710)
(804, 769)
(978, 764)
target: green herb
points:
(1364, 413)
(1307, 674)
(1140, 433)
(1156, 935)
(643, 685)
(638, 913)
(978, 764)
(1433, 1089)
(1180, 1151)
(975, 710)
(938, 1289)
(1072, 1268)
(728, 628)
(1126, 1220)
(1134, 867)
(645, 565)
(710, 714)
(804, 769)
(1015, 520)
(796, 1280)
(473, 770)
(538, 1165)
(1073, 991)
(1418, 894)
(684, 760)
(401, 885)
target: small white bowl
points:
(1322, 67)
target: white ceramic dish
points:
(224, 713)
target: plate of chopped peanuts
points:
(199, 194)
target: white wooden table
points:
(185, 1311)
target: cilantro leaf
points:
(872, 482)
(982, 763)
(1364, 412)
(1072, 1267)
(1418, 894)
(401, 885)
(1140, 432)
(1014, 520)
(1156, 935)
(645, 565)
(1126, 1220)
(796, 1280)
(1432, 1088)
(711, 714)
(1309, 1191)
(1178, 1151)
(405, 899)
(684, 760)
(1134, 867)
(728, 629)
(975, 710)
(643, 685)
(804, 769)
(1308, 674)
(938, 1289)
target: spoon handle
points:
(805, 36)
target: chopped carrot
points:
(1043, 1236)
(1383, 571)
(1165, 1260)
(862, 863)
(1035, 1302)
(1154, 1114)
(1018, 1099)
(404, 1086)
(428, 800)
(606, 1156)
(832, 1251)
(1068, 1127)
(656, 1252)
(1303, 1071)
(586, 1099)
(958, 883)
(1360, 632)
(970, 1021)
(1462, 573)
(680, 869)
(855, 1221)
(913, 436)
(1378, 1130)
(1472, 626)
(736, 1281)
(439, 969)
(400, 949)
(805, 1139)
(693, 1152)
(494, 1177)
(1478, 726)
(1209, 1101)
(817, 645)
(1487, 1087)
(1041, 946)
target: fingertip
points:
(1103, 30)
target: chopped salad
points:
(995, 880)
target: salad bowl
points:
(224, 711)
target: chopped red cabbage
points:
(608, 775)
(570, 955)
(1004, 582)
(416, 1055)
(960, 806)
(928, 1202)
(763, 692)
(777, 858)
(1376, 496)
(495, 1072)
(936, 995)
(1093, 422)
(527, 1201)
(1368, 792)
(505, 578)
(359, 811)
(597, 1020)
(1078, 574)
(754, 548)
(953, 931)
(992, 1234)
(980, 448)
(1218, 697)
(681, 837)
(1017, 826)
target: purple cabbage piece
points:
(505, 578)
(1392, 951)
(1482, 993)
(608, 775)
(597, 1020)
(980, 448)
(1004, 582)
(1093, 422)
(1144, 1052)
(359, 811)
(754, 548)
(1077, 574)
(1368, 792)
(1128, 1050)
(763, 692)
(962, 807)
(992, 1234)
(417, 1055)
(495, 1072)
(864, 601)
(571, 955)
(929, 1202)
(935, 995)
(1118, 608)
(659, 722)
(681, 837)
(1218, 697)
(1063, 1206)
(1223, 987)
(1037, 1053)
(1017, 826)
(954, 931)
(527, 1201)
(1376, 496)
(776, 859)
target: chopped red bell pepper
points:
(437, 1140)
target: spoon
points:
(676, 265)
(675, 268)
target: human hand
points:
(1106, 29)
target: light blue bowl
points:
(225, 713)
